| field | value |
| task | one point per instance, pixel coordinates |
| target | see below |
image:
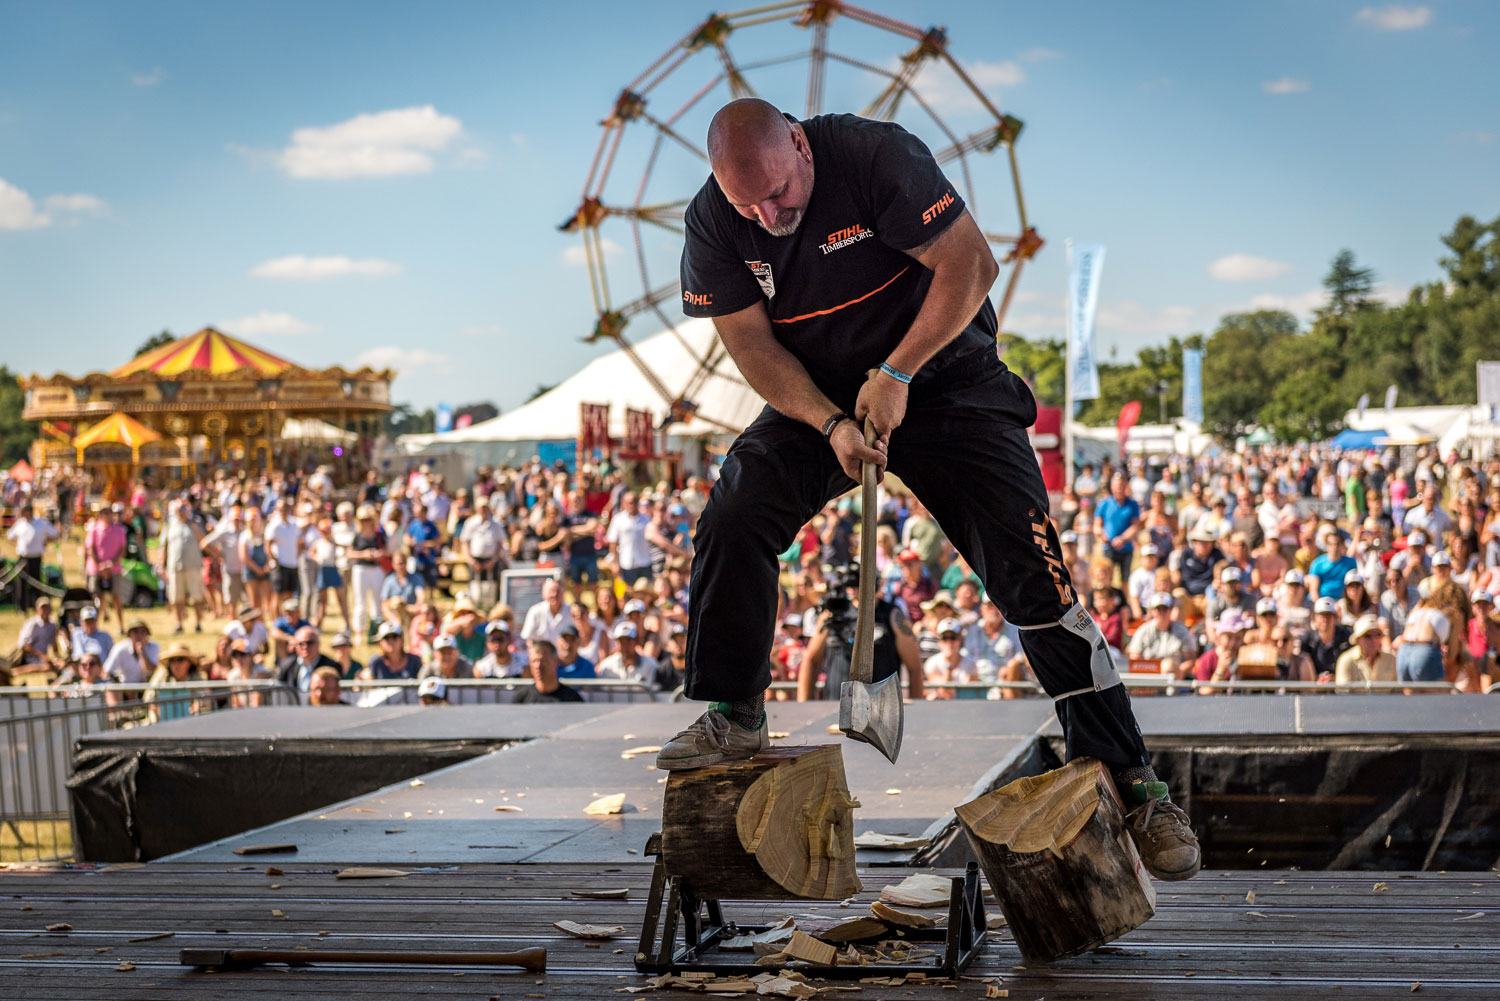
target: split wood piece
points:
(860, 929)
(1055, 850)
(889, 842)
(904, 919)
(264, 849)
(578, 930)
(920, 889)
(368, 872)
(776, 826)
(772, 936)
(804, 947)
(606, 806)
(612, 894)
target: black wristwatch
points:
(834, 422)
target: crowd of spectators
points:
(1274, 564)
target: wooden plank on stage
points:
(1301, 934)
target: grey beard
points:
(785, 228)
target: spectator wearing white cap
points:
(1365, 661)
(1327, 639)
(1162, 638)
(1266, 622)
(950, 665)
(88, 631)
(628, 662)
(433, 691)
(1442, 573)
(393, 660)
(446, 662)
(1478, 641)
(1142, 583)
(499, 660)
(1193, 570)
(1293, 603)
(648, 640)
(1073, 557)
(1230, 593)
(1356, 601)
(1413, 561)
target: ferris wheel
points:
(649, 162)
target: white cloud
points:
(300, 267)
(76, 205)
(156, 76)
(17, 210)
(1247, 268)
(268, 324)
(945, 93)
(382, 144)
(1395, 17)
(1039, 54)
(1286, 85)
(402, 359)
(1301, 305)
(575, 256)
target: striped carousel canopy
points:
(117, 429)
(209, 351)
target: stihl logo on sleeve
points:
(762, 272)
(695, 299)
(936, 208)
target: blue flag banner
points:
(1192, 384)
(1084, 263)
(444, 418)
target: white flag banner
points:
(1085, 260)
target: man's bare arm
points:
(909, 652)
(772, 370)
(963, 269)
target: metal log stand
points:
(671, 902)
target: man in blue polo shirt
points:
(1327, 573)
(1116, 522)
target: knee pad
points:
(1102, 669)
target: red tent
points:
(22, 471)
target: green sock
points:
(748, 714)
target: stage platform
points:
(1302, 935)
(550, 761)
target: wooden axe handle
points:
(530, 959)
(862, 659)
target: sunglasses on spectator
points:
(92, 662)
(949, 636)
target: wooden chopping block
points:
(1062, 866)
(780, 825)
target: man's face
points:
(911, 569)
(448, 659)
(90, 668)
(1369, 644)
(44, 611)
(497, 643)
(324, 690)
(1324, 621)
(1118, 486)
(771, 184)
(1162, 617)
(567, 647)
(1202, 547)
(627, 646)
(542, 660)
(552, 595)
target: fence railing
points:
(1173, 686)
(39, 726)
(490, 691)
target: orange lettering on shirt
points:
(697, 299)
(936, 208)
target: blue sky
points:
(382, 182)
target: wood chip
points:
(271, 870)
(904, 919)
(152, 938)
(637, 751)
(605, 806)
(851, 930)
(364, 809)
(619, 894)
(60, 926)
(834, 728)
(803, 946)
(277, 914)
(507, 808)
(991, 991)
(369, 872)
(417, 782)
(780, 734)
(266, 849)
(40, 955)
(1380, 886)
(919, 890)
(893, 792)
(1250, 897)
(889, 842)
(994, 921)
(125, 966)
(589, 931)
(1470, 917)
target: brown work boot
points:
(1162, 832)
(711, 740)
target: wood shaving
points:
(125, 966)
(40, 955)
(893, 792)
(277, 914)
(369, 872)
(905, 919)
(891, 842)
(611, 894)
(1380, 886)
(779, 734)
(1250, 897)
(1470, 917)
(919, 890)
(587, 931)
(417, 782)
(507, 808)
(637, 751)
(60, 926)
(606, 806)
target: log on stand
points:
(1058, 857)
(777, 826)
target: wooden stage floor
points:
(1301, 935)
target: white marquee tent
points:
(613, 379)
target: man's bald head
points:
(763, 164)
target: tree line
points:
(1262, 369)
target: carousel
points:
(207, 400)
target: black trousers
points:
(963, 450)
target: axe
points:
(869, 710)
(232, 959)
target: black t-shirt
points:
(582, 546)
(841, 292)
(1325, 656)
(562, 693)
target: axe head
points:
(872, 712)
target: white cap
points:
(1365, 624)
(1295, 577)
(1233, 573)
(1160, 599)
(88, 612)
(387, 629)
(1442, 559)
(444, 641)
(1482, 595)
(432, 688)
(635, 605)
(624, 629)
(950, 625)
(1353, 577)
(1149, 549)
(1324, 606)
(1416, 539)
(1068, 536)
(1265, 606)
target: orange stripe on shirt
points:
(835, 309)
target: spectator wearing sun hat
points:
(1365, 661)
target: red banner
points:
(639, 434)
(1129, 414)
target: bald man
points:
(847, 280)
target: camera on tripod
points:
(836, 602)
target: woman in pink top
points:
(103, 545)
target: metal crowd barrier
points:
(39, 727)
(489, 691)
(993, 689)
